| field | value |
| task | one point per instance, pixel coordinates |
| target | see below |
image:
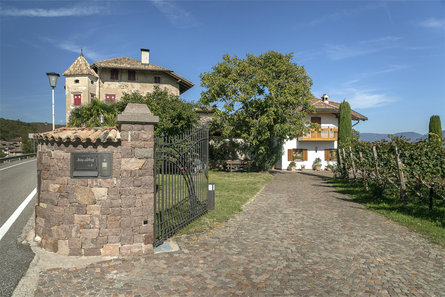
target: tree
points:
(263, 100)
(435, 129)
(175, 115)
(27, 145)
(344, 125)
(88, 115)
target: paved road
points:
(17, 181)
(299, 237)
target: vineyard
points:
(413, 169)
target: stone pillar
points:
(93, 216)
(136, 125)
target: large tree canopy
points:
(175, 115)
(262, 99)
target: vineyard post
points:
(352, 163)
(346, 164)
(340, 162)
(364, 173)
(374, 152)
(401, 179)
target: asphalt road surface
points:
(17, 180)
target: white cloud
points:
(178, 16)
(75, 47)
(380, 40)
(365, 47)
(433, 23)
(362, 98)
(350, 12)
(52, 12)
(340, 52)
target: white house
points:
(320, 143)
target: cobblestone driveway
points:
(297, 238)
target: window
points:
(157, 79)
(110, 97)
(297, 155)
(76, 81)
(77, 99)
(114, 74)
(316, 120)
(131, 75)
(330, 155)
(92, 96)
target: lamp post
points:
(52, 76)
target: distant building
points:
(108, 80)
(320, 143)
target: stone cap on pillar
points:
(136, 113)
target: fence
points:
(19, 157)
(181, 175)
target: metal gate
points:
(181, 175)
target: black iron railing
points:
(181, 175)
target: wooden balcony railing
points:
(321, 134)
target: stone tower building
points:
(109, 79)
(80, 86)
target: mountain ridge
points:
(413, 136)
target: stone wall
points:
(143, 84)
(93, 216)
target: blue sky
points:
(387, 58)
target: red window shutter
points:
(114, 74)
(77, 99)
(304, 155)
(131, 75)
(110, 97)
(289, 155)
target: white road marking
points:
(4, 229)
(16, 165)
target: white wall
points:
(327, 120)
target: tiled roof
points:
(127, 63)
(331, 106)
(74, 134)
(80, 66)
(133, 64)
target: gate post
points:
(136, 125)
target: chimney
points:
(145, 56)
(325, 98)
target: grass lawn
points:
(416, 216)
(232, 191)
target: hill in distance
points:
(413, 136)
(10, 129)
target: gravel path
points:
(297, 238)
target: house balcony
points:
(322, 134)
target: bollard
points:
(211, 197)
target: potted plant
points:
(292, 166)
(302, 167)
(317, 164)
(329, 167)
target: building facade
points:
(108, 80)
(320, 143)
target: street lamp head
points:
(52, 76)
